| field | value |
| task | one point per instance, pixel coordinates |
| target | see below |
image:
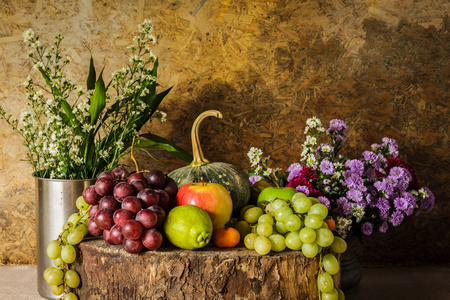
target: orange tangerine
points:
(226, 237)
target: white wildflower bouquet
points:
(75, 133)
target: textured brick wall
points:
(382, 66)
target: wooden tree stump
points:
(109, 272)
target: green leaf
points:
(92, 76)
(156, 142)
(98, 100)
(54, 89)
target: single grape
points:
(57, 289)
(269, 209)
(249, 240)
(325, 282)
(244, 209)
(160, 213)
(109, 202)
(115, 235)
(132, 246)
(55, 276)
(54, 249)
(262, 245)
(307, 235)
(264, 229)
(75, 236)
(148, 197)
(281, 228)
(313, 221)
(104, 186)
(330, 264)
(120, 173)
(132, 204)
(83, 227)
(277, 242)
(243, 228)
(333, 295)
(132, 229)
(265, 218)
(164, 199)
(81, 204)
(93, 228)
(282, 213)
(171, 187)
(68, 254)
(59, 263)
(301, 203)
(148, 218)
(314, 200)
(70, 296)
(104, 219)
(310, 250)
(292, 241)
(324, 237)
(341, 294)
(122, 190)
(47, 272)
(339, 245)
(136, 176)
(292, 222)
(252, 214)
(90, 196)
(318, 209)
(152, 239)
(74, 218)
(278, 204)
(72, 279)
(107, 174)
(156, 179)
(138, 185)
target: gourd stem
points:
(197, 153)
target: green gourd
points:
(200, 169)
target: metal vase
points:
(55, 202)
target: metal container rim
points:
(61, 180)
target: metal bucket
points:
(55, 202)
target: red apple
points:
(212, 197)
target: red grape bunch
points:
(129, 208)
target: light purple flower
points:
(327, 189)
(355, 195)
(336, 126)
(384, 227)
(326, 181)
(355, 166)
(367, 228)
(384, 207)
(325, 201)
(294, 170)
(327, 167)
(397, 218)
(372, 159)
(401, 203)
(427, 203)
(254, 179)
(354, 181)
(411, 203)
(392, 146)
(303, 189)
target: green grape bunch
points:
(297, 224)
(62, 251)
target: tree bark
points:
(109, 272)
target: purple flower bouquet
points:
(363, 195)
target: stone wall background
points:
(382, 66)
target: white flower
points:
(119, 144)
(53, 149)
(78, 160)
(326, 148)
(37, 65)
(313, 122)
(267, 172)
(27, 81)
(163, 116)
(28, 35)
